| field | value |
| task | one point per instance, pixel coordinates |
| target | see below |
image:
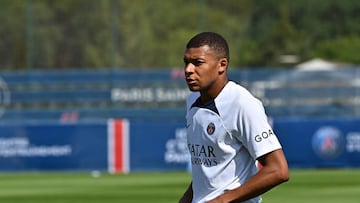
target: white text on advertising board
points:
(21, 147)
(150, 94)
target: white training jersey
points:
(225, 137)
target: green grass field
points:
(305, 186)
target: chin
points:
(194, 89)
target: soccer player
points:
(227, 131)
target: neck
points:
(212, 92)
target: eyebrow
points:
(197, 59)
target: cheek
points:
(207, 73)
(208, 78)
(211, 73)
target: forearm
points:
(257, 185)
(274, 172)
(188, 195)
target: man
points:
(227, 131)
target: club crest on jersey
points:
(210, 128)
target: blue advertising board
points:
(320, 142)
(53, 146)
(307, 143)
(122, 146)
(158, 146)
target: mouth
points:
(190, 81)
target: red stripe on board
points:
(118, 146)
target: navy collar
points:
(208, 105)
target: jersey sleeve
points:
(256, 133)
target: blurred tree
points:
(72, 34)
(343, 49)
(152, 34)
(12, 34)
(321, 22)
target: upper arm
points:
(275, 161)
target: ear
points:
(223, 63)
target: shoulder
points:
(237, 93)
(238, 101)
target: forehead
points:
(198, 52)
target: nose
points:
(188, 69)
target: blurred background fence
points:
(161, 94)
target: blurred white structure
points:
(318, 64)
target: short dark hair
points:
(214, 40)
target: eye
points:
(197, 63)
(194, 62)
